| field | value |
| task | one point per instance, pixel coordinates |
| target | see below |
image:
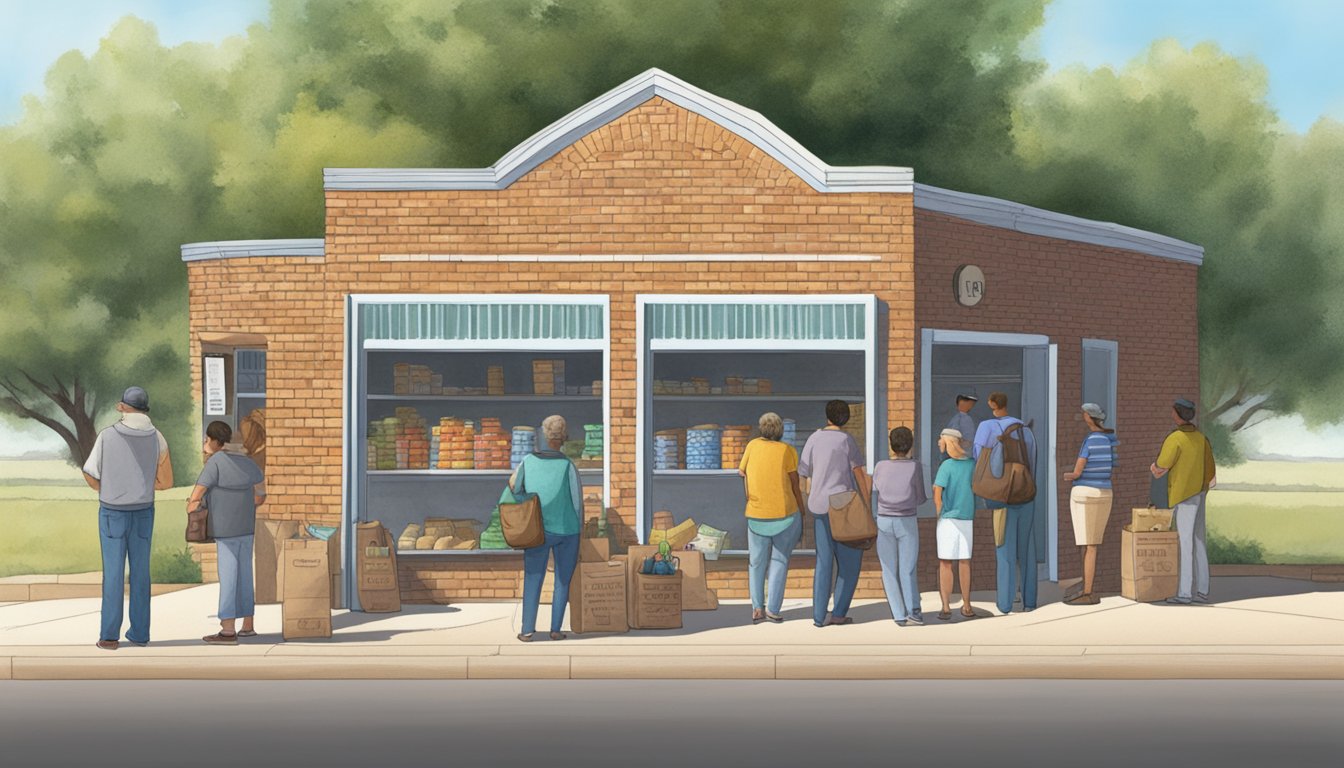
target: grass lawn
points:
(53, 530)
(1290, 527)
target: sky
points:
(1296, 40)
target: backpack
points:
(1016, 484)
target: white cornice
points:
(236, 249)
(1037, 221)
(747, 123)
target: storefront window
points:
(710, 369)
(450, 392)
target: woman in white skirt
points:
(955, 503)
(1090, 499)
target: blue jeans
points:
(770, 554)
(898, 551)
(534, 573)
(836, 563)
(1017, 557)
(125, 534)
(237, 597)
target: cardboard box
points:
(594, 550)
(657, 602)
(267, 550)
(597, 598)
(1150, 519)
(1149, 564)
(306, 605)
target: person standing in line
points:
(129, 462)
(955, 503)
(1016, 557)
(1091, 497)
(550, 475)
(230, 486)
(832, 464)
(962, 421)
(774, 512)
(1186, 460)
(898, 490)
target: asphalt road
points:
(639, 724)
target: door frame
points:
(929, 337)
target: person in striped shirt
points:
(1090, 499)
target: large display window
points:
(712, 365)
(447, 393)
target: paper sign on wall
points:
(215, 401)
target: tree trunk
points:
(78, 409)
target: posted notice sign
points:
(215, 400)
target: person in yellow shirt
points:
(774, 515)
(1186, 460)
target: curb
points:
(1266, 665)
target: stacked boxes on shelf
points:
(667, 450)
(524, 442)
(548, 377)
(733, 445)
(382, 449)
(494, 380)
(591, 458)
(490, 448)
(704, 446)
(456, 443)
(412, 440)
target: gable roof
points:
(546, 143)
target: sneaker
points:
(107, 645)
(1202, 597)
(1177, 601)
(219, 638)
(915, 619)
(901, 622)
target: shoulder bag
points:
(198, 525)
(852, 522)
(522, 522)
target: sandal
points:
(757, 617)
(773, 617)
(967, 614)
(247, 633)
(558, 635)
(945, 615)
(525, 638)
(219, 638)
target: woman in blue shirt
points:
(955, 503)
(1091, 497)
(553, 478)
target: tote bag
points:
(852, 522)
(521, 521)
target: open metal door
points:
(1039, 407)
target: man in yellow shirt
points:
(1186, 460)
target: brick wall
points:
(1070, 291)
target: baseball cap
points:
(137, 398)
(952, 433)
(1094, 410)
(964, 396)
(1181, 402)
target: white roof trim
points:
(1037, 221)
(235, 249)
(747, 123)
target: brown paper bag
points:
(268, 547)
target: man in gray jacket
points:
(128, 463)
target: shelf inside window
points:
(492, 398)
(785, 398)
(462, 473)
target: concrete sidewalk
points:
(1258, 627)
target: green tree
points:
(1183, 142)
(141, 147)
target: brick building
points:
(686, 264)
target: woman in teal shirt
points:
(550, 475)
(955, 503)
